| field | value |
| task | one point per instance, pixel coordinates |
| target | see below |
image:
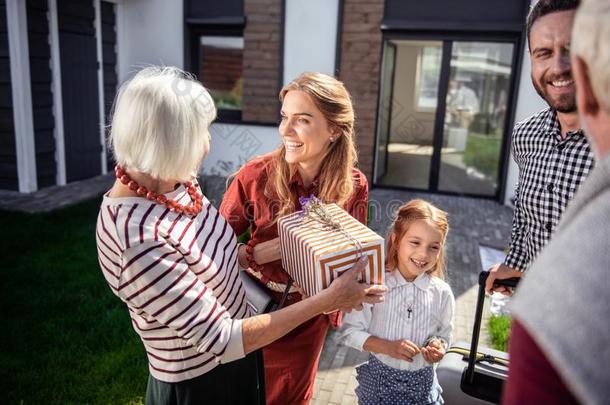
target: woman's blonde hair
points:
(160, 123)
(336, 184)
(408, 213)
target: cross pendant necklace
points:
(409, 310)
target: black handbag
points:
(258, 298)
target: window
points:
(220, 61)
(476, 102)
(216, 58)
(426, 79)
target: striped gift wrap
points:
(314, 255)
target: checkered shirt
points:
(550, 171)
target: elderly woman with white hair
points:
(167, 253)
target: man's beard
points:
(564, 104)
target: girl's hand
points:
(402, 349)
(433, 352)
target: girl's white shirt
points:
(432, 305)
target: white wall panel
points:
(150, 32)
(310, 37)
(528, 104)
(233, 145)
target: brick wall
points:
(359, 68)
(262, 53)
(222, 68)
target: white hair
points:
(591, 42)
(160, 124)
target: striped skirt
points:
(382, 384)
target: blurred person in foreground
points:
(171, 257)
(560, 341)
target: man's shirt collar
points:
(553, 128)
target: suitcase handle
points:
(480, 357)
(507, 282)
(476, 329)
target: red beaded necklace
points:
(142, 191)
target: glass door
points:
(410, 94)
(383, 140)
(476, 101)
(443, 115)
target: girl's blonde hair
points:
(408, 213)
(332, 98)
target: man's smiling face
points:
(549, 42)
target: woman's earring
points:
(332, 139)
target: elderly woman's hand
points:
(345, 293)
(349, 293)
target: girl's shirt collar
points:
(395, 280)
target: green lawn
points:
(499, 331)
(66, 339)
(483, 153)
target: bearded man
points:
(550, 147)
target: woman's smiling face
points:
(304, 130)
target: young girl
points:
(412, 328)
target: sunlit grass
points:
(66, 339)
(499, 331)
(483, 153)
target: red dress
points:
(291, 362)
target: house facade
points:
(436, 85)
(58, 76)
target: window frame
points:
(198, 28)
(418, 83)
(517, 39)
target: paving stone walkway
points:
(51, 198)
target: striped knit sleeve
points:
(156, 281)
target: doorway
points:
(443, 114)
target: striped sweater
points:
(178, 276)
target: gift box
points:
(317, 250)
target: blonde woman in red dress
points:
(317, 157)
